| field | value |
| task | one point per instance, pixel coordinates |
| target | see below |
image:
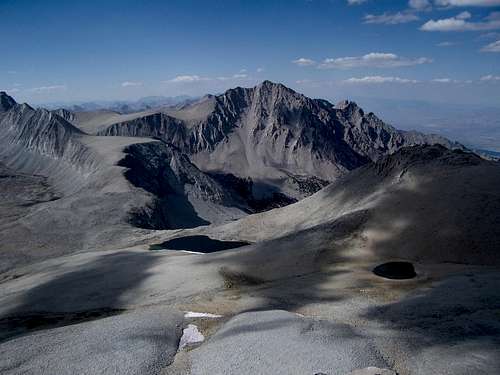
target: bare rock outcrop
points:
(274, 136)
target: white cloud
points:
(131, 84)
(188, 78)
(260, 70)
(237, 76)
(378, 80)
(419, 4)
(373, 59)
(356, 2)
(197, 78)
(490, 78)
(467, 3)
(460, 23)
(492, 47)
(47, 89)
(463, 16)
(391, 18)
(442, 80)
(446, 44)
(448, 80)
(302, 61)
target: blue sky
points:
(436, 50)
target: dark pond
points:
(200, 244)
(395, 270)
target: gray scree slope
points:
(275, 136)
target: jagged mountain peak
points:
(266, 89)
(273, 134)
(269, 85)
(276, 90)
(344, 104)
(349, 107)
(24, 107)
(6, 102)
(38, 129)
(65, 114)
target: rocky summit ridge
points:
(274, 135)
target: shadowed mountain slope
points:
(273, 135)
(6, 102)
(67, 191)
(423, 203)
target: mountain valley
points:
(249, 223)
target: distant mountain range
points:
(121, 106)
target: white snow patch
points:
(190, 336)
(193, 314)
(373, 371)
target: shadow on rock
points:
(451, 328)
(86, 292)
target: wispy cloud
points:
(234, 76)
(260, 70)
(302, 61)
(390, 79)
(131, 84)
(196, 78)
(489, 78)
(356, 2)
(374, 60)
(492, 47)
(419, 4)
(47, 89)
(442, 80)
(188, 78)
(391, 18)
(460, 23)
(449, 80)
(467, 3)
(446, 44)
(379, 80)
(490, 35)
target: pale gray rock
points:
(280, 342)
(273, 135)
(101, 188)
(141, 342)
(373, 371)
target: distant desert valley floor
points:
(253, 232)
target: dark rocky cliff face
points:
(272, 133)
(6, 102)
